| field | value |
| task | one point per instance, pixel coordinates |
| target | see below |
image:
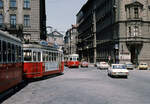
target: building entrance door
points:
(133, 55)
(135, 48)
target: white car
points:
(84, 64)
(129, 65)
(103, 65)
(118, 70)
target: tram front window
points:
(74, 59)
(27, 55)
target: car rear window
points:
(118, 67)
(143, 64)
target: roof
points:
(55, 34)
(7, 35)
(136, 3)
(84, 6)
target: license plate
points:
(121, 73)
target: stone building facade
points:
(24, 18)
(55, 39)
(70, 41)
(122, 30)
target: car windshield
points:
(118, 67)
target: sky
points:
(62, 13)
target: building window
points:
(136, 12)
(26, 20)
(129, 13)
(26, 3)
(136, 31)
(12, 3)
(13, 21)
(1, 4)
(1, 20)
(129, 31)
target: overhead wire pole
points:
(94, 34)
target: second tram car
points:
(73, 60)
(41, 60)
(11, 59)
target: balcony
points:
(11, 27)
(134, 41)
(135, 19)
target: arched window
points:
(134, 10)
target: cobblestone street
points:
(86, 86)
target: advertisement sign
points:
(124, 56)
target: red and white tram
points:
(73, 60)
(41, 60)
(11, 59)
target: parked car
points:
(129, 65)
(103, 65)
(96, 64)
(143, 66)
(84, 64)
(118, 70)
